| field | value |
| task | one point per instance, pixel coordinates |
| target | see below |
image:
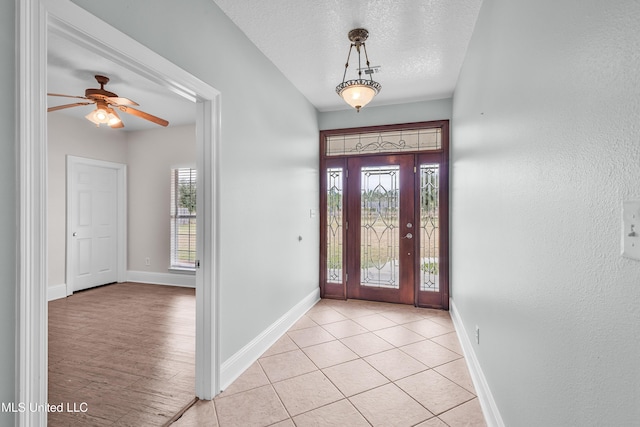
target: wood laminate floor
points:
(125, 353)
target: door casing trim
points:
(34, 19)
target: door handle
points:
(408, 236)
(74, 234)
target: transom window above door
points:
(384, 141)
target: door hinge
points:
(346, 277)
(346, 225)
(197, 263)
(346, 173)
(414, 169)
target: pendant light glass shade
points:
(358, 93)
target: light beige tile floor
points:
(353, 363)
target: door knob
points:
(408, 236)
(74, 234)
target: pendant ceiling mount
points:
(358, 35)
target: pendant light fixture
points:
(358, 92)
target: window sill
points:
(180, 270)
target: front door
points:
(384, 215)
(381, 256)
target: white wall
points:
(269, 155)
(151, 156)
(545, 147)
(8, 192)
(76, 137)
(372, 115)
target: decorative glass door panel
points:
(335, 193)
(379, 220)
(433, 264)
(380, 259)
(429, 227)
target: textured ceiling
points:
(419, 44)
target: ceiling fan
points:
(106, 105)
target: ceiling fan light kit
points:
(358, 92)
(104, 100)
(104, 117)
(103, 114)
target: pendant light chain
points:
(359, 61)
(367, 58)
(344, 76)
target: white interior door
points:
(92, 223)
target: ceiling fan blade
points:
(67, 96)
(121, 101)
(143, 115)
(62, 107)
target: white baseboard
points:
(487, 402)
(233, 367)
(56, 292)
(170, 279)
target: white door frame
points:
(121, 220)
(35, 19)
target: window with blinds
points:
(183, 218)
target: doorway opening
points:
(35, 21)
(384, 214)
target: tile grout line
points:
(276, 391)
(363, 358)
(317, 369)
(428, 368)
(389, 381)
(344, 397)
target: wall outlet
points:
(477, 334)
(147, 261)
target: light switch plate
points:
(631, 229)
